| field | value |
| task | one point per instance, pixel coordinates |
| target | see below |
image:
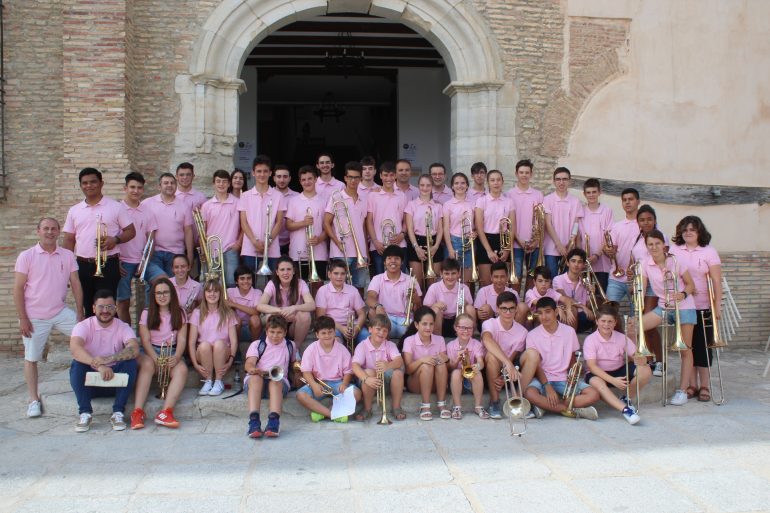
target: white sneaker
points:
(218, 388)
(679, 398)
(589, 412)
(630, 415)
(658, 370)
(84, 423)
(35, 409)
(206, 388)
(535, 413)
(117, 421)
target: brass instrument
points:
(164, 370)
(200, 226)
(637, 300)
(216, 256)
(506, 244)
(591, 283)
(619, 271)
(516, 407)
(361, 261)
(409, 300)
(717, 342)
(467, 243)
(430, 273)
(572, 244)
(265, 269)
(325, 388)
(101, 253)
(460, 309)
(538, 235)
(388, 228)
(628, 374)
(190, 301)
(146, 255)
(573, 382)
(384, 420)
(467, 369)
(275, 373)
(312, 271)
(671, 289)
(350, 340)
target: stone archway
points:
(482, 102)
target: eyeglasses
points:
(108, 308)
(162, 293)
(464, 328)
(507, 309)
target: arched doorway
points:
(482, 103)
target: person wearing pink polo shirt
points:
(388, 292)
(456, 210)
(606, 352)
(282, 179)
(307, 210)
(597, 219)
(107, 345)
(486, 298)
(188, 291)
(80, 236)
(288, 296)
(654, 271)
(376, 354)
(339, 300)
(563, 212)
(525, 198)
(403, 175)
(185, 175)
(383, 205)
(441, 192)
(41, 276)
(624, 234)
(553, 345)
(258, 227)
(426, 360)
(466, 350)
(222, 219)
(691, 248)
(542, 288)
(479, 177)
(326, 360)
(418, 214)
(488, 212)
(444, 297)
(174, 235)
(239, 182)
(368, 172)
(243, 299)
(326, 184)
(574, 295)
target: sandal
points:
(690, 392)
(457, 413)
(363, 415)
(444, 411)
(704, 394)
(399, 414)
(425, 413)
(481, 412)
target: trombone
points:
(361, 262)
(214, 250)
(619, 271)
(265, 269)
(350, 339)
(101, 252)
(430, 273)
(200, 227)
(516, 407)
(538, 235)
(570, 246)
(312, 271)
(573, 382)
(709, 320)
(409, 300)
(506, 244)
(671, 290)
(146, 255)
(466, 241)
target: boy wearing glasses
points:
(562, 214)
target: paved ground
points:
(693, 458)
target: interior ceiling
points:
(317, 46)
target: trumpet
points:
(538, 235)
(325, 388)
(265, 269)
(101, 253)
(384, 420)
(350, 339)
(275, 373)
(164, 370)
(361, 261)
(460, 299)
(430, 273)
(190, 301)
(570, 246)
(200, 227)
(146, 255)
(619, 271)
(467, 369)
(573, 381)
(467, 243)
(516, 407)
(717, 342)
(409, 300)
(506, 244)
(312, 271)
(216, 258)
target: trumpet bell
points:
(468, 372)
(516, 408)
(276, 373)
(265, 269)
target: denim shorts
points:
(558, 386)
(617, 290)
(685, 316)
(457, 246)
(265, 386)
(334, 384)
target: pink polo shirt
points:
(172, 218)
(609, 354)
(510, 340)
(209, 331)
(251, 300)
(270, 292)
(386, 205)
(698, 260)
(367, 356)
(191, 288)
(274, 354)
(454, 210)
(488, 296)
(493, 209)
(418, 209)
(331, 365)
(296, 210)
(255, 204)
(571, 289)
(624, 234)
(339, 303)
(412, 193)
(193, 197)
(595, 223)
(48, 275)
(443, 196)
(325, 189)
(532, 296)
(654, 275)
(564, 213)
(439, 292)
(101, 341)
(223, 220)
(415, 346)
(283, 236)
(555, 349)
(524, 202)
(473, 195)
(392, 295)
(164, 335)
(476, 351)
(81, 222)
(144, 222)
(365, 191)
(357, 213)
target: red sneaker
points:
(166, 418)
(137, 418)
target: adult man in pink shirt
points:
(174, 217)
(223, 220)
(403, 174)
(554, 344)
(385, 204)
(42, 274)
(282, 179)
(80, 236)
(441, 191)
(388, 292)
(625, 234)
(524, 198)
(307, 210)
(326, 183)
(563, 212)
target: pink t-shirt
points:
(532, 296)
(393, 294)
(555, 349)
(418, 209)
(624, 236)
(493, 209)
(475, 349)
(144, 222)
(193, 197)
(48, 275)
(572, 289)
(698, 260)
(223, 220)
(488, 296)
(524, 203)
(190, 289)
(251, 299)
(325, 189)
(164, 335)
(302, 289)
(654, 275)
(331, 366)
(564, 213)
(283, 235)
(101, 341)
(609, 354)
(510, 340)
(366, 355)
(386, 205)
(439, 292)
(274, 354)
(454, 210)
(172, 218)
(415, 346)
(357, 213)
(296, 210)
(595, 223)
(209, 331)
(81, 221)
(255, 205)
(443, 196)
(339, 304)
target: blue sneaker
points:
(255, 426)
(494, 410)
(630, 415)
(272, 430)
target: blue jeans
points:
(616, 290)
(84, 394)
(378, 261)
(552, 262)
(457, 246)
(518, 260)
(124, 285)
(360, 276)
(558, 386)
(163, 260)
